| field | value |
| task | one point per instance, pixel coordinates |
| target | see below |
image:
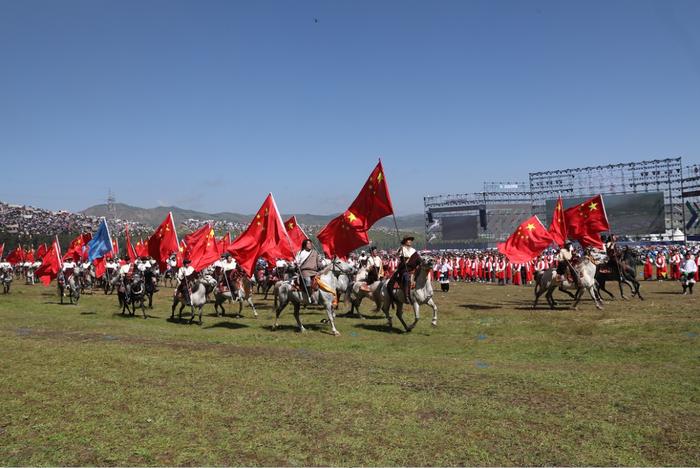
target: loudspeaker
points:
(482, 218)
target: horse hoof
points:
(336, 333)
(434, 323)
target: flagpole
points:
(291, 249)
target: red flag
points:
(115, 248)
(29, 255)
(342, 235)
(226, 241)
(195, 237)
(77, 247)
(296, 234)
(51, 264)
(40, 252)
(264, 237)
(180, 254)
(100, 266)
(2, 249)
(373, 202)
(16, 256)
(204, 251)
(129, 248)
(163, 241)
(557, 230)
(527, 242)
(585, 222)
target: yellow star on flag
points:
(351, 216)
(380, 177)
(530, 227)
(291, 225)
(593, 206)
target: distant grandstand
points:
(642, 199)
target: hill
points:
(153, 216)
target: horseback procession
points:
(272, 257)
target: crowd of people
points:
(26, 222)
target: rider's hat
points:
(407, 238)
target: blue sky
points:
(210, 105)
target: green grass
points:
(496, 383)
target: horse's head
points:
(427, 263)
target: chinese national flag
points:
(203, 249)
(223, 244)
(195, 236)
(129, 247)
(29, 255)
(40, 251)
(115, 248)
(180, 254)
(586, 221)
(558, 227)
(163, 241)
(50, 265)
(373, 202)
(77, 247)
(527, 242)
(265, 237)
(296, 234)
(342, 235)
(16, 256)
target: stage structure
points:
(622, 185)
(476, 220)
(642, 198)
(691, 201)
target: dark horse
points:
(621, 269)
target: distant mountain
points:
(153, 216)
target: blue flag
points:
(101, 243)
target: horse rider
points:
(308, 262)
(375, 266)
(111, 267)
(408, 262)
(185, 275)
(126, 269)
(5, 266)
(565, 256)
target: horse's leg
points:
(172, 309)
(550, 299)
(297, 317)
(432, 304)
(637, 285)
(596, 299)
(328, 304)
(252, 306)
(385, 309)
(571, 295)
(577, 298)
(601, 287)
(622, 292)
(200, 313)
(278, 310)
(416, 314)
(399, 315)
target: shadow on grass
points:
(669, 293)
(88, 313)
(480, 306)
(384, 328)
(65, 303)
(229, 325)
(185, 320)
(286, 327)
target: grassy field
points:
(496, 383)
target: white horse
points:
(242, 292)
(286, 293)
(547, 281)
(355, 294)
(422, 294)
(198, 297)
